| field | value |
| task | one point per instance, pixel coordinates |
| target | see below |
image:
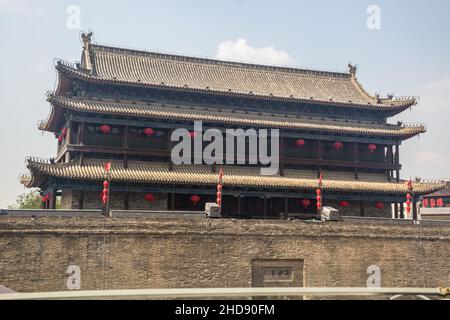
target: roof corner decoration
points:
(352, 69)
(86, 63)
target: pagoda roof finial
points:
(352, 69)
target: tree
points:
(28, 200)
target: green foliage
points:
(28, 200)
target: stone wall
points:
(180, 252)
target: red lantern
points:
(379, 205)
(319, 205)
(300, 142)
(149, 197)
(105, 129)
(60, 138)
(193, 134)
(318, 192)
(338, 146)
(306, 203)
(104, 199)
(344, 204)
(105, 184)
(195, 199)
(108, 166)
(372, 147)
(149, 132)
(219, 187)
(64, 132)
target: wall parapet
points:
(222, 227)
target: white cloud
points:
(22, 7)
(240, 50)
(429, 156)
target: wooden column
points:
(397, 161)
(172, 201)
(319, 150)
(282, 155)
(69, 133)
(396, 210)
(355, 152)
(126, 200)
(82, 133)
(402, 212)
(52, 200)
(286, 207)
(265, 207)
(169, 148)
(81, 199)
(239, 205)
(125, 137)
(361, 205)
(414, 208)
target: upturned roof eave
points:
(43, 170)
(401, 134)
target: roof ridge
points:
(219, 62)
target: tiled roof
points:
(242, 118)
(132, 67)
(237, 177)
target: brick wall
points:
(159, 253)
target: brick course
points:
(133, 253)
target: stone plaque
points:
(277, 273)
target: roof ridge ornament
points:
(352, 69)
(86, 39)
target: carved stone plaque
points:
(277, 273)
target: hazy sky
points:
(408, 55)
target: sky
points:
(400, 47)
